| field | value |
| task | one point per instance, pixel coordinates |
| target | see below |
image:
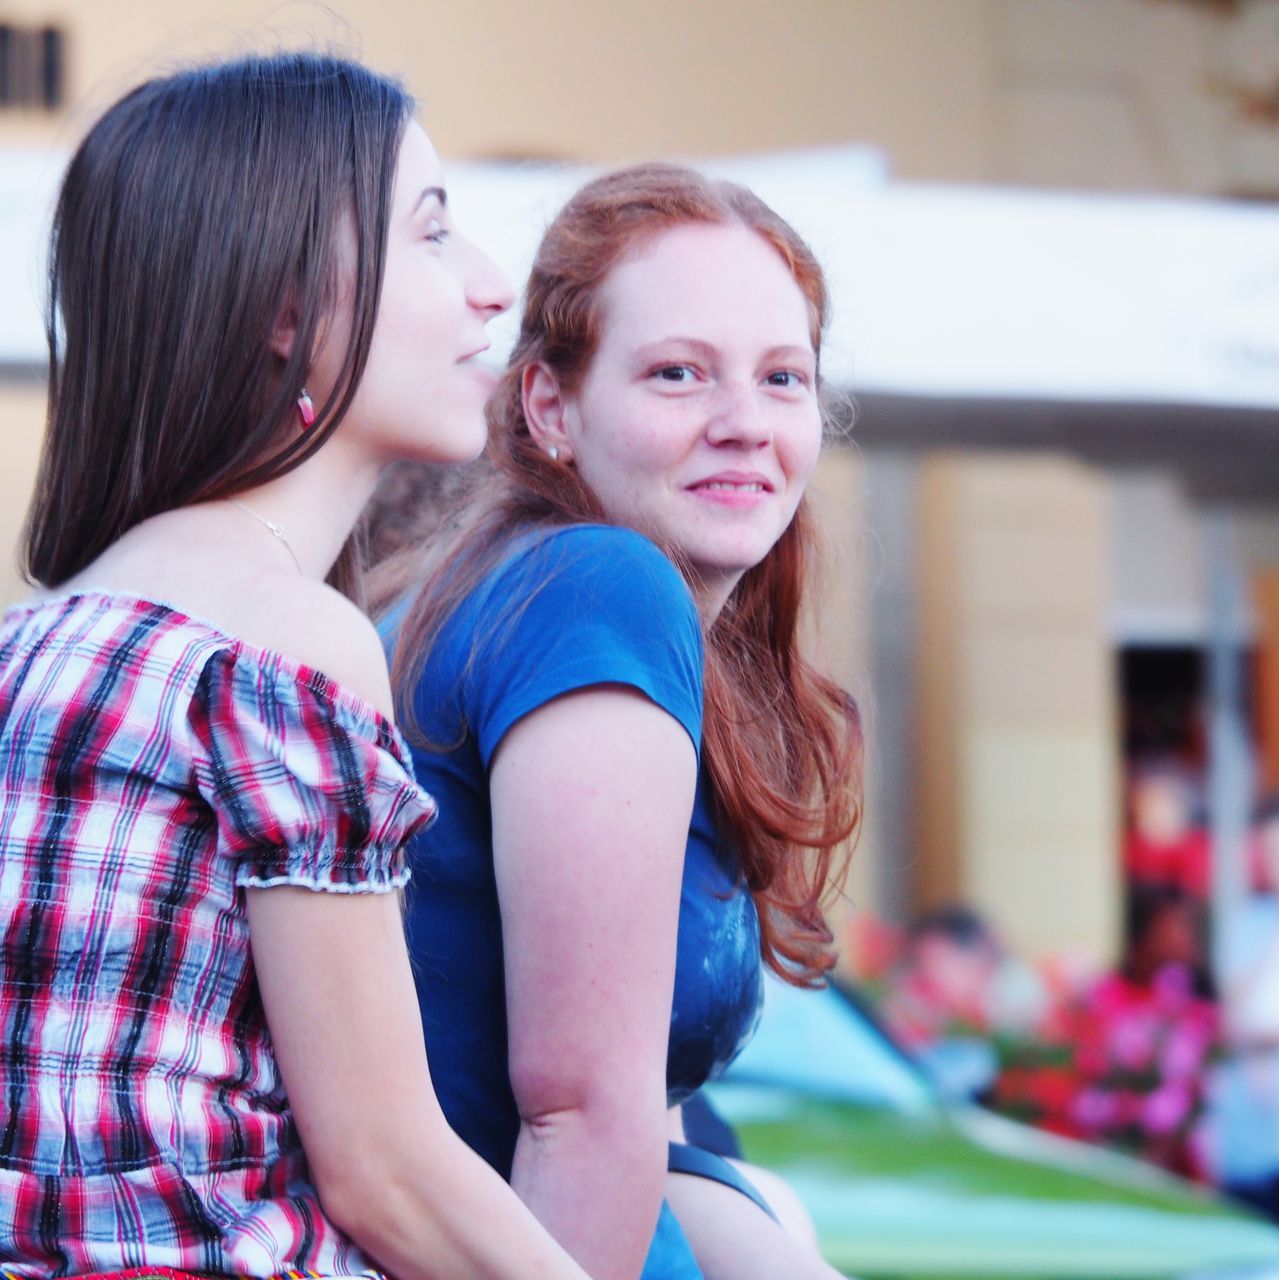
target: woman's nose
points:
(738, 417)
(487, 286)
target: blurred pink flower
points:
(1133, 1039)
(1096, 1110)
(1186, 1049)
(1167, 1108)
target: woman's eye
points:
(786, 378)
(436, 233)
(674, 373)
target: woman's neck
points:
(315, 506)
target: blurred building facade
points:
(987, 574)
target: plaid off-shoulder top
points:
(152, 767)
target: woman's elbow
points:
(622, 1121)
(548, 1086)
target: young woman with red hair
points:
(643, 784)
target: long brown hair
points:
(196, 211)
(782, 742)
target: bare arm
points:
(733, 1239)
(591, 798)
(343, 1016)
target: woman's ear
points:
(545, 410)
(284, 331)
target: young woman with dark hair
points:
(209, 1042)
(645, 784)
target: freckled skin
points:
(698, 420)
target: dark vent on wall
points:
(32, 67)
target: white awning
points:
(940, 291)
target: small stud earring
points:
(306, 410)
(554, 453)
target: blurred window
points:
(32, 67)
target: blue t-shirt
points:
(565, 610)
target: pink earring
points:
(306, 410)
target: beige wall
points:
(1131, 95)
(1016, 715)
(1112, 94)
(602, 81)
(838, 626)
(21, 426)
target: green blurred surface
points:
(954, 1191)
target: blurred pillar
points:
(1230, 762)
(835, 626)
(891, 504)
(1017, 781)
(1265, 596)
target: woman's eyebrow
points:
(427, 193)
(790, 351)
(663, 346)
(677, 342)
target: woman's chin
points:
(464, 441)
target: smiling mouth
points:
(730, 486)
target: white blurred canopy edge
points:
(938, 291)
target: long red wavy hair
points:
(782, 742)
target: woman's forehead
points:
(706, 276)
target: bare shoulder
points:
(214, 571)
(312, 623)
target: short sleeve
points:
(578, 607)
(309, 785)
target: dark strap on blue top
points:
(699, 1163)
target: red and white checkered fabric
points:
(151, 767)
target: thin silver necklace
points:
(277, 529)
